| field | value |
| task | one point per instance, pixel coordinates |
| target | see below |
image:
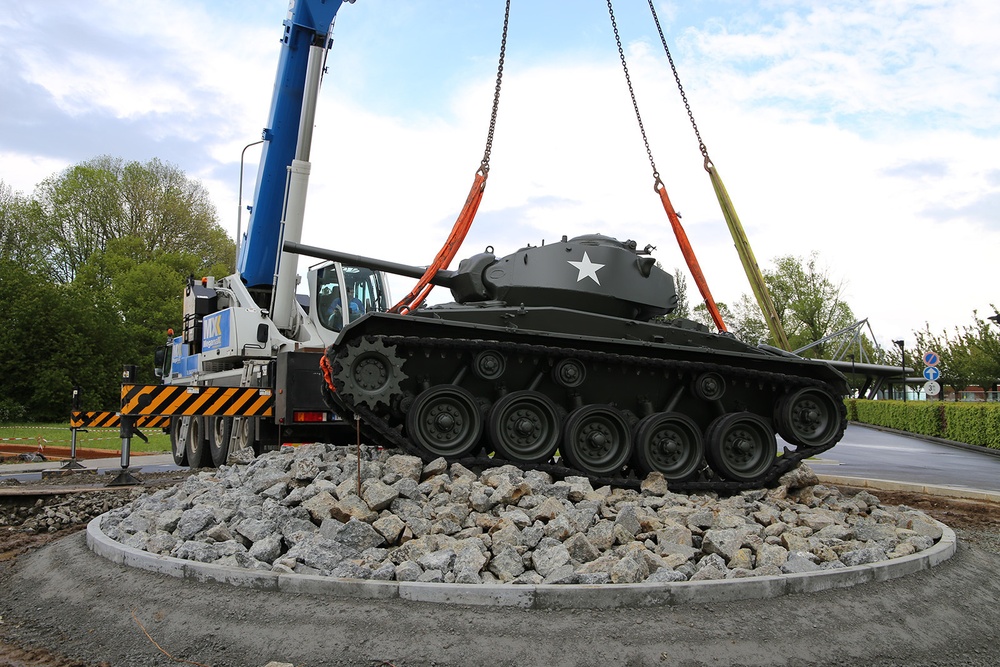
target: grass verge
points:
(59, 435)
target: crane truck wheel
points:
(177, 448)
(196, 444)
(219, 432)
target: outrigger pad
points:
(125, 478)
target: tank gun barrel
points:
(444, 278)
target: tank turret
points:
(593, 273)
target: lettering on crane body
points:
(215, 331)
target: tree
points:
(953, 356)
(701, 315)
(92, 272)
(983, 341)
(20, 230)
(683, 308)
(809, 304)
(56, 336)
(970, 356)
(86, 206)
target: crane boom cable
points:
(742, 243)
(466, 216)
(682, 239)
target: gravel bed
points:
(315, 510)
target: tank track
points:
(380, 432)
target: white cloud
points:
(865, 131)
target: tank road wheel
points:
(808, 417)
(596, 440)
(668, 443)
(445, 421)
(218, 438)
(740, 446)
(524, 426)
(370, 372)
(196, 444)
(177, 448)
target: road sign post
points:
(932, 373)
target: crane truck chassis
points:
(244, 372)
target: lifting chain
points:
(635, 105)
(677, 78)
(484, 167)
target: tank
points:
(561, 357)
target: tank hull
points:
(626, 398)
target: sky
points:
(864, 131)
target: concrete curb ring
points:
(528, 596)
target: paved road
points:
(873, 454)
(864, 452)
(107, 468)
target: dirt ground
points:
(62, 606)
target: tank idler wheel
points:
(569, 373)
(196, 444)
(218, 438)
(808, 417)
(525, 426)
(596, 440)
(668, 443)
(709, 386)
(445, 421)
(740, 446)
(489, 365)
(177, 447)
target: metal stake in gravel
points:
(357, 431)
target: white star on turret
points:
(587, 269)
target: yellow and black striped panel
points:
(79, 419)
(180, 400)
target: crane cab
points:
(343, 293)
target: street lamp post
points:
(239, 204)
(902, 364)
(851, 357)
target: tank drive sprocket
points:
(368, 372)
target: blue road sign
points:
(931, 373)
(931, 358)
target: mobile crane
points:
(245, 370)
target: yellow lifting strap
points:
(749, 261)
(764, 300)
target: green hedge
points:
(972, 423)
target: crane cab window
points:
(347, 294)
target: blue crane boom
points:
(309, 23)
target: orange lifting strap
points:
(448, 251)
(675, 222)
(693, 266)
(464, 222)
